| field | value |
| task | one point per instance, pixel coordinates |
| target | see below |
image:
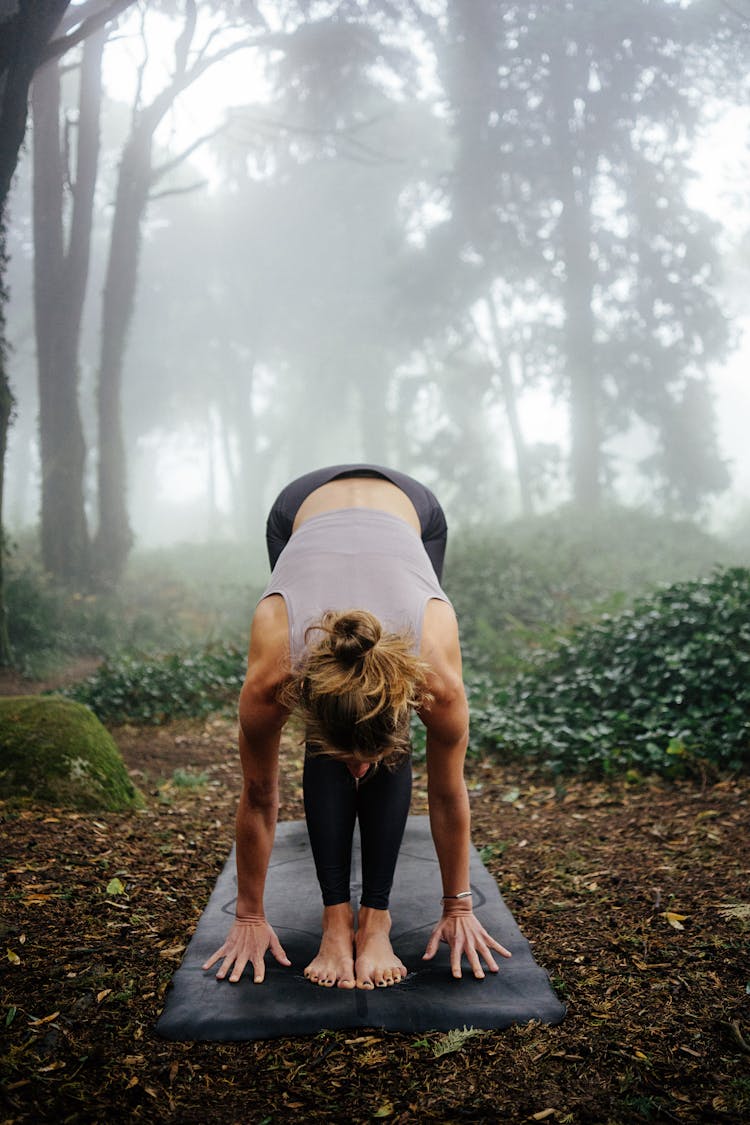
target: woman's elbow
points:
(261, 795)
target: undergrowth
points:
(570, 659)
(662, 687)
(153, 689)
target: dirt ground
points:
(635, 898)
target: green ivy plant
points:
(155, 689)
(660, 687)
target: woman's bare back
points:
(359, 492)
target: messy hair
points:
(356, 686)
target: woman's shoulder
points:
(269, 637)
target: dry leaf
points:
(45, 1019)
(101, 995)
(543, 1114)
(675, 920)
(13, 957)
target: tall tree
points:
(562, 112)
(60, 275)
(136, 178)
(27, 30)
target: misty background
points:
(502, 247)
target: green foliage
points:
(46, 624)
(57, 752)
(186, 779)
(207, 591)
(515, 592)
(662, 687)
(168, 601)
(155, 689)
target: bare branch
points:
(185, 38)
(141, 68)
(63, 43)
(170, 165)
(178, 191)
(344, 138)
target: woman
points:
(354, 631)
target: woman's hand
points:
(465, 934)
(246, 943)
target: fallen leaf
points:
(675, 920)
(543, 1114)
(13, 957)
(115, 887)
(45, 1019)
(174, 951)
(102, 995)
(385, 1110)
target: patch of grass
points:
(186, 779)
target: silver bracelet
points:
(462, 894)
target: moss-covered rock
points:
(57, 752)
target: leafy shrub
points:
(160, 607)
(655, 688)
(207, 591)
(516, 590)
(46, 624)
(154, 689)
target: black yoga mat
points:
(198, 1007)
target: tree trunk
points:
(578, 285)
(236, 417)
(510, 401)
(114, 537)
(23, 37)
(60, 279)
(6, 412)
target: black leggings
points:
(333, 802)
(333, 799)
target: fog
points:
(501, 247)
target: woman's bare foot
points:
(334, 963)
(377, 966)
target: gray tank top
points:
(354, 558)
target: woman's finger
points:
(259, 968)
(214, 958)
(486, 956)
(278, 951)
(498, 947)
(456, 951)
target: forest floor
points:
(634, 897)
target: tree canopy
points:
(415, 220)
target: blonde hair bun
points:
(353, 635)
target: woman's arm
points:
(261, 721)
(446, 719)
